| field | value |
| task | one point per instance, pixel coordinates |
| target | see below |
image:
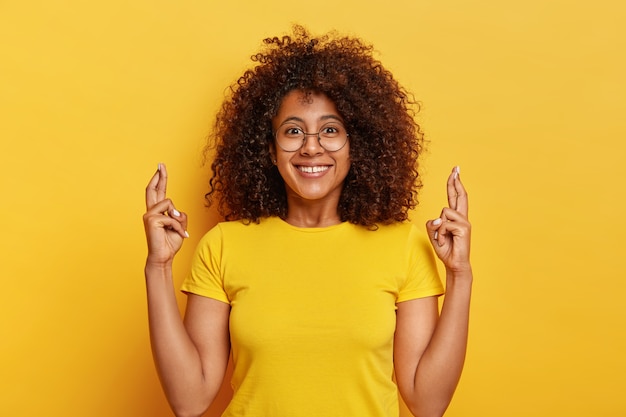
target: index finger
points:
(451, 187)
(461, 195)
(157, 187)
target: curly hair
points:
(385, 140)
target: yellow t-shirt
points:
(313, 312)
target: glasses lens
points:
(291, 137)
(333, 136)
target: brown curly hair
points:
(385, 140)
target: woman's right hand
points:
(166, 227)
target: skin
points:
(191, 354)
(429, 350)
(312, 198)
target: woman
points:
(315, 282)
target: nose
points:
(311, 146)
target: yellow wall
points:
(527, 97)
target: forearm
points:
(176, 358)
(440, 367)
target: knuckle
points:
(148, 216)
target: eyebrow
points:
(323, 118)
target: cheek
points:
(346, 161)
(282, 159)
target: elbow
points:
(187, 401)
(190, 401)
(429, 413)
(429, 402)
(189, 410)
(428, 408)
(433, 410)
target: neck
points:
(308, 214)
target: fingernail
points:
(186, 234)
(176, 213)
(437, 222)
(457, 171)
(436, 235)
(159, 167)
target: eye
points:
(292, 131)
(330, 131)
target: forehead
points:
(306, 106)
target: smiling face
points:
(312, 174)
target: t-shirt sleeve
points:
(422, 279)
(205, 277)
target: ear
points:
(273, 153)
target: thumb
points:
(432, 227)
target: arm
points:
(190, 356)
(429, 350)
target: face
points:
(311, 174)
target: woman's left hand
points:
(450, 233)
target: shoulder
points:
(236, 228)
(407, 238)
(401, 230)
(395, 239)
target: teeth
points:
(314, 169)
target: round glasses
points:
(332, 136)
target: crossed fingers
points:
(453, 216)
(157, 187)
(157, 203)
(457, 196)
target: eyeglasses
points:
(332, 136)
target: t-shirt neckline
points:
(286, 225)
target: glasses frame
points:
(305, 134)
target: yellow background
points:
(527, 97)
